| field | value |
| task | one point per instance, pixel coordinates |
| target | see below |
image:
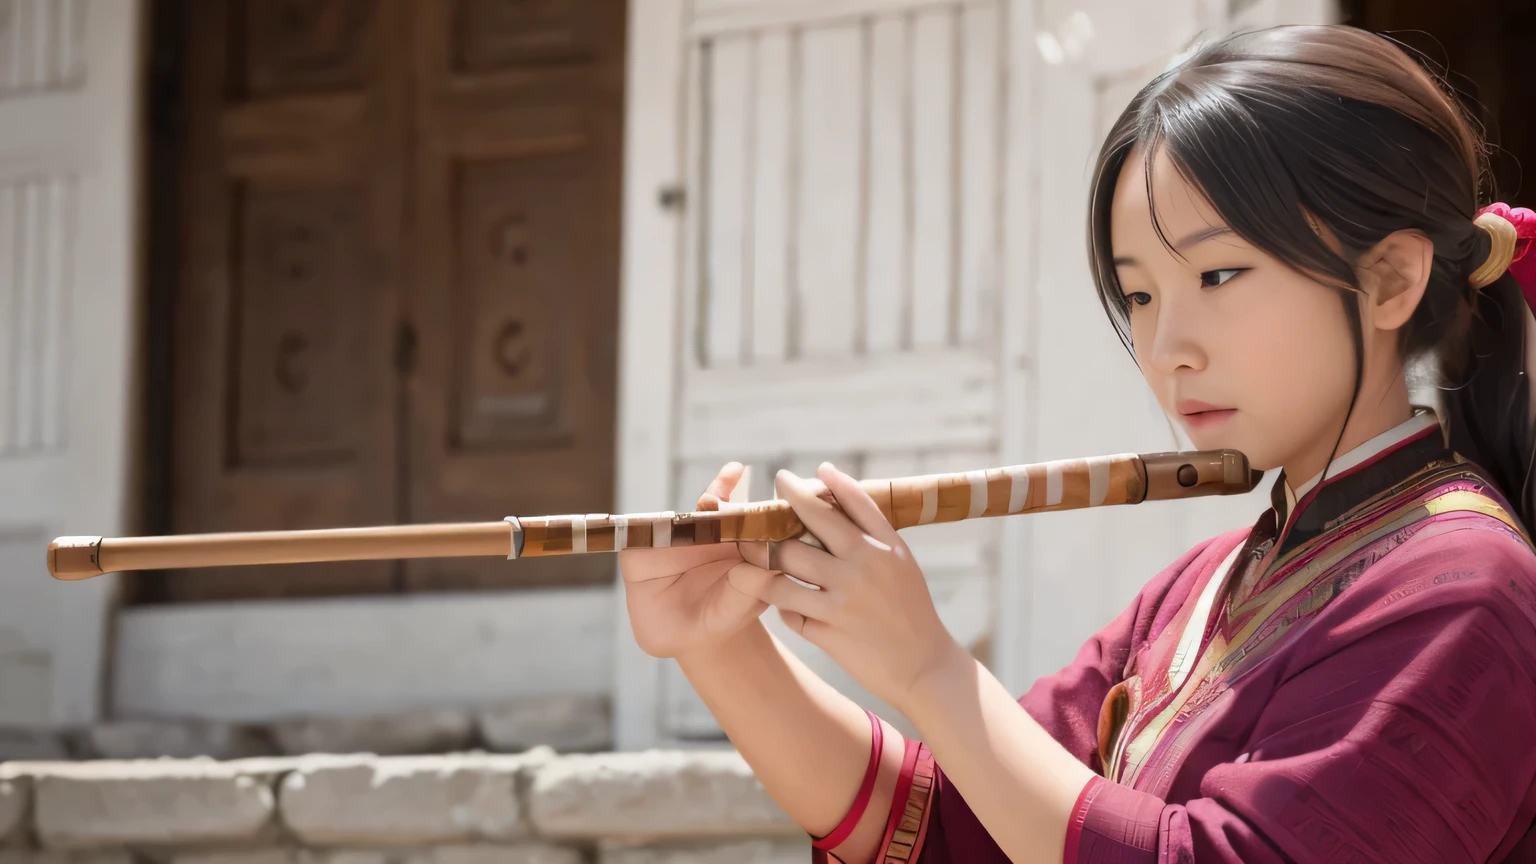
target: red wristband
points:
(866, 789)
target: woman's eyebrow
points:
(1194, 239)
(1201, 236)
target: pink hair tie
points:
(866, 789)
(1511, 229)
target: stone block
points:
(415, 732)
(166, 802)
(764, 851)
(14, 792)
(284, 856)
(405, 800)
(29, 856)
(523, 853)
(152, 739)
(32, 745)
(250, 856)
(655, 795)
(569, 723)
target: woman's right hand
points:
(682, 599)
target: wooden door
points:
(399, 294)
(514, 291)
(286, 403)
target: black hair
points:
(1283, 126)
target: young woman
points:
(1280, 226)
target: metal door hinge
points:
(671, 197)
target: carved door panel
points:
(285, 407)
(514, 291)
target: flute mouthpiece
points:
(1197, 474)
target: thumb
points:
(749, 579)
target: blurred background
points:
(319, 263)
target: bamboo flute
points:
(906, 502)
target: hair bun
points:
(1501, 250)
(1510, 231)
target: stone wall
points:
(579, 723)
(658, 807)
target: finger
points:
(750, 579)
(757, 553)
(809, 628)
(720, 488)
(794, 621)
(807, 563)
(856, 503)
(839, 535)
(779, 591)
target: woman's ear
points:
(1393, 275)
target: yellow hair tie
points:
(1501, 252)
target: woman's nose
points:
(1175, 344)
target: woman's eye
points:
(1214, 278)
(1140, 298)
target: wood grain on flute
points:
(906, 502)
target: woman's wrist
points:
(753, 637)
(931, 683)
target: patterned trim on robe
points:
(1224, 633)
(907, 827)
(1294, 590)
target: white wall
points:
(69, 72)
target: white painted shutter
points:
(69, 71)
(841, 272)
(830, 289)
(1080, 569)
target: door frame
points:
(655, 198)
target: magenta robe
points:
(1361, 687)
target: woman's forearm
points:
(807, 743)
(1018, 780)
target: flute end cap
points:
(71, 559)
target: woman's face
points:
(1245, 352)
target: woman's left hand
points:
(873, 614)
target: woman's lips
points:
(1202, 415)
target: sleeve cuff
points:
(1113, 824)
(911, 807)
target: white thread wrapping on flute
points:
(578, 534)
(978, 481)
(661, 530)
(620, 533)
(1098, 480)
(1052, 483)
(1018, 490)
(930, 500)
(517, 528)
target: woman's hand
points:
(873, 614)
(684, 599)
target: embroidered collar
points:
(1378, 464)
